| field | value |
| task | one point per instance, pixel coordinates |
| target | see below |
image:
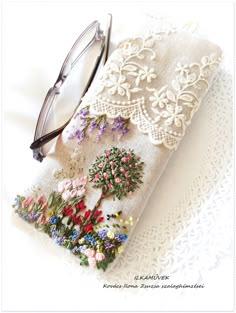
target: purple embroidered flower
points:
(79, 135)
(93, 125)
(102, 233)
(101, 131)
(81, 113)
(108, 245)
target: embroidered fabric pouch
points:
(97, 179)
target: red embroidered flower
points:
(87, 213)
(88, 227)
(97, 213)
(74, 218)
(100, 219)
(80, 205)
(67, 210)
(78, 220)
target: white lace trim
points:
(125, 89)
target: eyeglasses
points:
(94, 37)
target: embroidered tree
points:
(117, 173)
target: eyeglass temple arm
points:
(103, 53)
(48, 137)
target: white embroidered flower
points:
(158, 99)
(146, 73)
(182, 69)
(117, 85)
(130, 48)
(172, 115)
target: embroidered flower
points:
(74, 234)
(88, 227)
(182, 69)
(110, 234)
(53, 219)
(158, 99)
(89, 253)
(147, 74)
(102, 233)
(117, 85)
(99, 256)
(129, 48)
(40, 199)
(92, 262)
(121, 237)
(81, 181)
(26, 202)
(173, 115)
(120, 249)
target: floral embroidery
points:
(64, 215)
(163, 113)
(116, 76)
(100, 124)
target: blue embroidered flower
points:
(102, 233)
(74, 234)
(53, 219)
(121, 237)
(58, 240)
(17, 203)
(90, 239)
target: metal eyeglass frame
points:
(67, 66)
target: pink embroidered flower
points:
(122, 170)
(130, 165)
(127, 184)
(109, 185)
(105, 175)
(124, 159)
(117, 180)
(113, 172)
(39, 220)
(108, 152)
(40, 199)
(99, 256)
(92, 262)
(81, 181)
(64, 185)
(100, 165)
(44, 205)
(90, 253)
(80, 192)
(112, 163)
(73, 193)
(97, 175)
(127, 175)
(26, 202)
(46, 220)
(66, 195)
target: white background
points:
(36, 37)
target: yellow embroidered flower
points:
(120, 249)
(81, 241)
(110, 234)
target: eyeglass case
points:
(95, 183)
